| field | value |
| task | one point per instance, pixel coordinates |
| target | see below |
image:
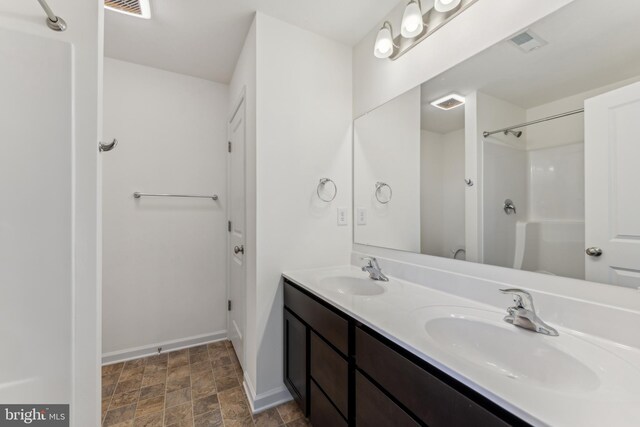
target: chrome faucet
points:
(372, 267)
(523, 314)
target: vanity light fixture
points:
(446, 5)
(449, 102)
(412, 21)
(384, 46)
(417, 24)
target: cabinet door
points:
(296, 339)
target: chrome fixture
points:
(103, 146)
(138, 195)
(458, 252)
(54, 22)
(534, 122)
(509, 207)
(594, 251)
(372, 267)
(416, 26)
(515, 133)
(238, 249)
(523, 314)
(469, 182)
(379, 187)
(323, 183)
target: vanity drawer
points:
(374, 408)
(323, 413)
(331, 371)
(326, 322)
(429, 398)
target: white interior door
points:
(236, 206)
(35, 219)
(612, 169)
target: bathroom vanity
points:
(369, 353)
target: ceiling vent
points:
(137, 8)
(449, 102)
(527, 41)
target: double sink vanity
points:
(367, 352)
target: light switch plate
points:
(342, 216)
(362, 216)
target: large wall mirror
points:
(525, 156)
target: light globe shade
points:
(412, 24)
(446, 5)
(384, 43)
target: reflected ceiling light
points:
(384, 42)
(446, 5)
(412, 22)
(449, 102)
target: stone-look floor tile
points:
(178, 397)
(201, 349)
(290, 411)
(112, 369)
(178, 358)
(128, 423)
(152, 391)
(243, 422)
(108, 389)
(183, 423)
(226, 383)
(198, 358)
(105, 405)
(110, 379)
(202, 385)
(233, 405)
(199, 367)
(210, 419)
(129, 385)
(119, 415)
(205, 404)
(174, 384)
(176, 414)
(124, 399)
(178, 371)
(158, 360)
(149, 406)
(224, 371)
(133, 372)
(151, 420)
(268, 418)
(221, 361)
(217, 345)
(135, 363)
(154, 376)
(300, 422)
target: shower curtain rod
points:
(546, 119)
(54, 22)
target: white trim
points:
(151, 349)
(267, 400)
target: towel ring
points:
(321, 186)
(379, 187)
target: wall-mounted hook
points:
(103, 146)
(469, 182)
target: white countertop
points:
(605, 392)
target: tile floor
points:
(195, 387)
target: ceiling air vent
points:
(137, 8)
(449, 102)
(527, 41)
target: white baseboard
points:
(152, 349)
(266, 400)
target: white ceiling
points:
(203, 38)
(585, 51)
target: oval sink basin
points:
(347, 285)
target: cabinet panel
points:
(331, 372)
(374, 408)
(428, 397)
(323, 413)
(295, 359)
(332, 326)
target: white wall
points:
(487, 22)
(164, 259)
(75, 378)
(303, 134)
(442, 192)
(387, 149)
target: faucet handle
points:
(371, 262)
(522, 298)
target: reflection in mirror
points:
(491, 161)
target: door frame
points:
(238, 106)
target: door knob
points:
(594, 251)
(239, 249)
(103, 146)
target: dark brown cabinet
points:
(344, 374)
